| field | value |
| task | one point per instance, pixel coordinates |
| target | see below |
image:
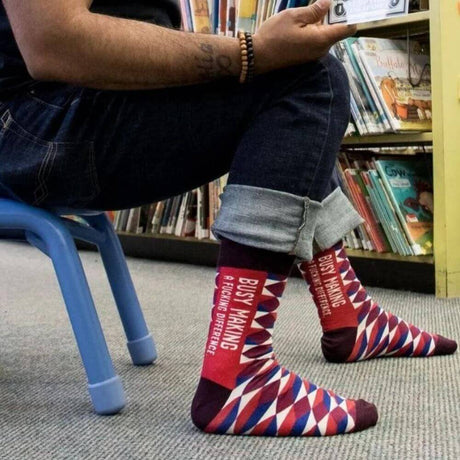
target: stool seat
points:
(52, 233)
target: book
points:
(358, 11)
(191, 216)
(372, 223)
(409, 187)
(124, 219)
(222, 15)
(246, 15)
(363, 101)
(181, 215)
(173, 215)
(186, 15)
(157, 217)
(150, 214)
(393, 229)
(379, 212)
(201, 21)
(407, 105)
(378, 113)
(214, 16)
(166, 214)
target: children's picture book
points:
(409, 187)
(402, 80)
(246, 15)
(358, 11)
(200, 16)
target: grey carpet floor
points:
(45, 410)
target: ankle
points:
(338, 345)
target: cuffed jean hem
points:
(283, 222)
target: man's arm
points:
(64, 41)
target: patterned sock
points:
(243, 389)
(354, 326)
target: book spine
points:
(368, 85)
(246, 15)
(399, 232)
(367, 244)
(173, 217)
(199, 204)
(223, 17)
(157, 217)
(357, 90)
(190, 221)
(377, 115)
(385, 214)
(376, 205)
(394, 125)
(200, 14)
(378, 228)
(150, 214)
(414, 246)
(371, 224)
(166, 214)
(181, 215)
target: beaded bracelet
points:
(247, 57)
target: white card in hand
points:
(356, 11)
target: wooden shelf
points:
(381, 270)
(414, 23)
(389, 139)
(185, 239)
(390, 256)
(206, 241)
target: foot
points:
(243, 389)
(269, 400)
(354, 326)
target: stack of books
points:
(394, 195)
(390, 85)
(188, 215)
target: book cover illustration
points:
(409, 186)
(408, 106)
(246, 15)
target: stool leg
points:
(104, 385)
(140, 342)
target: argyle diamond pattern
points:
(379, 333)
(270, 400)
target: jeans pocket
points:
(53, 95)
(45, 173)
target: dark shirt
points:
(13, 71)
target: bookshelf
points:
(389, 139)
(415, 23)
(442, 22)
(439, 273)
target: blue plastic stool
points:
(54, 235)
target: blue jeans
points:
(278, 138)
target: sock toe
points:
(366, 415)
(445, 346)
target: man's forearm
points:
(112, 53)
(64, 41)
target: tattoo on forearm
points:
(211, 66)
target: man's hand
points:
(296, 36)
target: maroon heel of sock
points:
(338, 344)
(208, 401)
